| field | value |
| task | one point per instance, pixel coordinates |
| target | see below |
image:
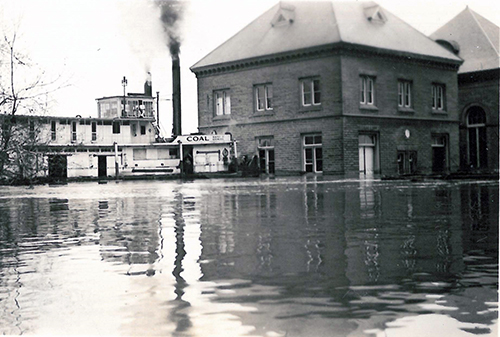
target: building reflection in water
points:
(341, 240)
(349, 254)
(479, 216)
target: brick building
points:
(333, 88)
(477, 41)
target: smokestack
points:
(148, 89)
(176, 95)
(171, 13)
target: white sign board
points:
(202, 139)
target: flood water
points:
(279, 257)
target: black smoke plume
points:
(171, 15)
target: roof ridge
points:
(336, 22)
(237, 33)
(482, 29)
(453, 18)
(427, 37)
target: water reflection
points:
(391, 251)
(283, 257)
(180, 318)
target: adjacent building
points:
(333, 88)
(477, 41)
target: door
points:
(187, 157)
(102, 169)
(407, 162)
(266, 158)
(438, 159)
(366, 159)
(313, 153)
(368, 162)
(58, 167)
(439, 152)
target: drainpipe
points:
(116, 160)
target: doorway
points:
(368, 153)
(102, 166)
(439, 153)
(266, 158)
(187, 159)
(58, 167)
(407, 162)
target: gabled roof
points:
(478, 40)
(295, 25)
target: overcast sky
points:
(94, 43)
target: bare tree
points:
(24, 92)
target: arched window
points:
(476, 138)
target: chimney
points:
(148, 89)
(176, 95)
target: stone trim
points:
(421, 119)
(341, 48)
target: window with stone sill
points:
(367, 91)
(405, 94)
(264, 97)
(438, 98)
(310, 92)
(222, 102)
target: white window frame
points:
(404, 94)
(372, 142)
(93, 129)
(312, 147)
(439, 140)
(222, 102)
(438, 97)
(367, 90)
(313, 90)
(264, 102)
(266, 144)
(476, 127)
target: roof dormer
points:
(374, 13)
(284, 16)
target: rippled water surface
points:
(282, 257)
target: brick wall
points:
(483, 92)
(391, 139)
(287, 141)
(286, 91)
(340, 90)
(421, 120)
(387, 72)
